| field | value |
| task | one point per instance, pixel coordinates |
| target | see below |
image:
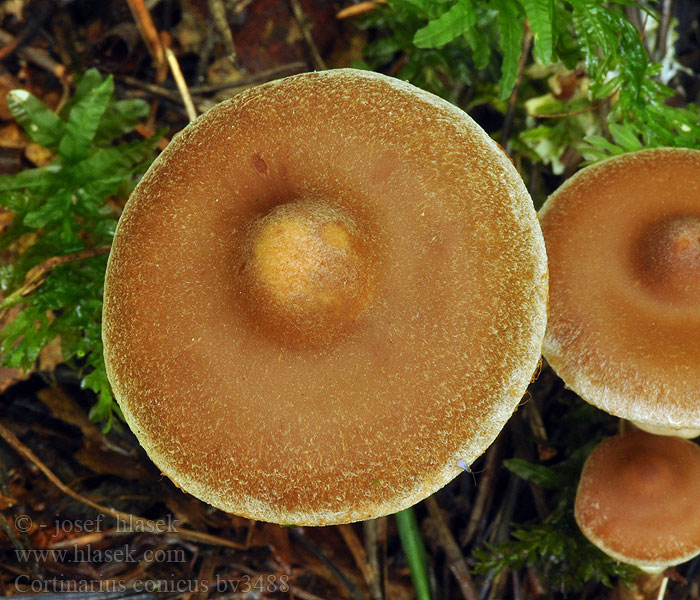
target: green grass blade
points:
(414, 549)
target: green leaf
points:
(86, 84)
(479, 43)
(625, 136)
(557, 551)
(540, 15)
(421, 4)
(121, 118)
(438, 32)
(22, 339)
(83, 120)
(510, 27)
(103, 410)
(31, 178)
(42, 125)
(65, 208)
(52, 210)
(610, 42)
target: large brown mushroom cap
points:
(639, 499)
(325, 293)
(623, 241)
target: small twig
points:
(40, 58)
(517, 594)
(65, 96)
(360, 8)
(316, 59)
(497, 585)
(153, 42)
(152, 88)
(513, 100)
(524, 450)
(40, 15)
(570, 113)
(357, 550)
(371, 531)
(205, 51)
(249, 80)
(147, 132)
(9, 47)
(36, 276)
(181, 84)
(664, 26)
(297, 592)
(484, 491)
(127, 594)
(236, 86)
(138, 523)
(500, 527)
(218, 13)
(634, 16)
(383, 541)
(148, 30)
(538, 429)
(84, 540)
(455, 559)
(206, 572)
(240, 5)
(9, 531)
(298, 534)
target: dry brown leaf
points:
(188, 510)
(97, 453)
(64, 407)
(51, 356)
(8, 377)
(38, 155)
(191, 31)
(7, 83)
(7, 502)
(221, 70)
(398, 591)
(6, 218)
(104, 461)
(14, 8)
(276, 538)
(11, 136)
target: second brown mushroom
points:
(623, 241)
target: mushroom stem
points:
(648, 586)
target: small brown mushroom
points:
(623, 241)
(638, 500)
(325, 294)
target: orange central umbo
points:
(667, 259)
(308, 271)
